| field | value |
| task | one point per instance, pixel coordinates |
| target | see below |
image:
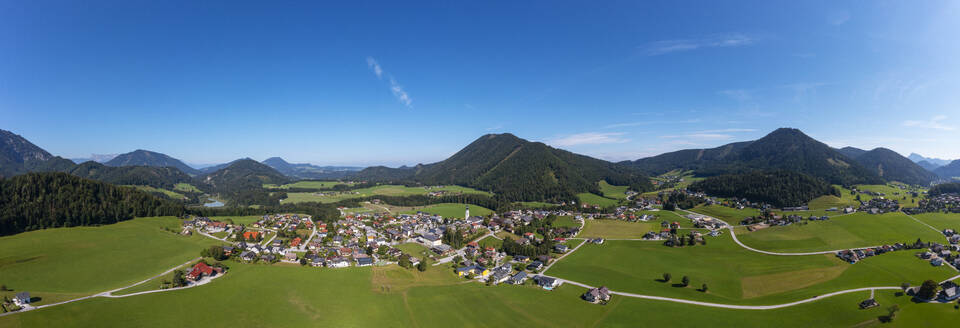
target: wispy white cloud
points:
(932, 123)
(723, 41)
(398, 92)
(375, 66)
(589, 138)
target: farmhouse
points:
(597, 295)
(548, 283)
(200, 270)
(22, 298)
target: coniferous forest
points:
(778, 188)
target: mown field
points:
(620, 229)
(941, 220)
(854, 230)
(168, 193)
(393, 297)
(735, 275)
(611, 191)
(451, 210)
(64, 263)
(309, 185)
(384, 190)
(591, 199)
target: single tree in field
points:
(928, 290)
(422, 266)
(666, 277)
(685, 281)
(892, 312)
(703, 288)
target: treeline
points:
(778, 188)
(945, 188)
(319, 211)
(48, 200)
(422, 200)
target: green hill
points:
(781, 188)
(142, 157)
(516, 169)
(894, 167)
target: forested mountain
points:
(935, 161)
(852, 152)
(892, 166)
(159, 177)
(516, 169)
(782, 149)
(18, 156)
(142, 157)
(780, 188)
(309, 171)
(242, 173)
(46, 200)
(949, 171)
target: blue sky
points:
(365, 83)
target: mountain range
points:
(516, 169)
(890, 165)
(917, 158)
(310, 171)
(782, 149)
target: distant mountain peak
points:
(143, 157)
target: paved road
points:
(108, 293)
(737, 307)
(734, 235)
(938, 231)
(459, 252)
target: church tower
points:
(467, 215)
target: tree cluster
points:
(779, 188)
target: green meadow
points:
(735, 275)
(730, 215)
(847, 231)
(591, 199)
(565, 221)
(168, 193)
(940, 220)
(611, 191)
(394, 297)
(616, 229)
(384, 190)
(185, 187)
(64, 263)
(451, 210)
(309, 185)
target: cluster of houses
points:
(206, 225)
(939, 255)
(854, 255)
(768, 219)
(879, 205)
(945, 203)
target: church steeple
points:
(467, 215)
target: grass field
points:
(168, 193)
(185, 187)
(451, 210)
(733, 274)
(491, 242)
(244, 220)
(299, 296)
(414, 249)
(854, 230)
(536, 205)
(611, 191)
(67, 262)
(731, 215)
(591, 199)
(616, 229)
(385, 190)
(565, 222)
(941, 220)
(309, 185)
